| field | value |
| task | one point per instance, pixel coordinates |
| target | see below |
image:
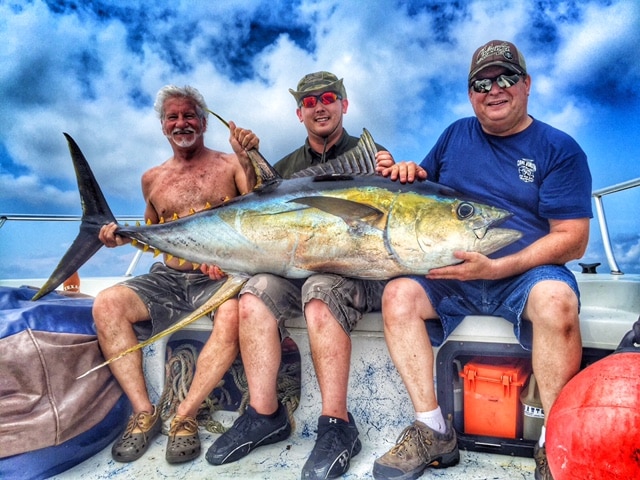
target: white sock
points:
(433, 420)
(542, 435)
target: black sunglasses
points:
(504, 81)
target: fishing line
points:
(324, 149)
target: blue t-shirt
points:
(538, 174)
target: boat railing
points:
(74, 218)
(602, 219)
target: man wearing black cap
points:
(506, 158)
(332, 305)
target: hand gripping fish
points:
(338, 217)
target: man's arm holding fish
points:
(240, 140)
(566, 241)
(108, 233)
(405, 172)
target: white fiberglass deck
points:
(377, 398)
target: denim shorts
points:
(454, 299)
(169, 295)
(347, 298)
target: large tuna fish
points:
(338, 217)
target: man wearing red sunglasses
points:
(332, 305)
(322, 101)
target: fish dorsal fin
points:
(360, 160)
(351, 212)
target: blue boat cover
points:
(49, 421)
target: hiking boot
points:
(336, 443)
(137, 437)
(249, 431)
(183, 443)
(417, 448)
(542, 466)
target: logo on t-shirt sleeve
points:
(526, 170)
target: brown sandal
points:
(137, 437)
(183, 443)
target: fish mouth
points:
(489, 224)
(496, 238)
(492, 238)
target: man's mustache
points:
(178, 131)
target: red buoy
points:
(593, 429)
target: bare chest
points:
(179, 192)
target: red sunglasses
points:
(326, 98)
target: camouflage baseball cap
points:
(318, 82)
(500, 53)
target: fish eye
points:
(465, 210)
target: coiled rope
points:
(179, 373)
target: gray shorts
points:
(169, 295)
(347, 298)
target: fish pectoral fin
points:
(351, 212)
(229, 289)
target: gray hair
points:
(171, 91)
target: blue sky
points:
(92, 69)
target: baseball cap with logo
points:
(497, 53)
(318, 82)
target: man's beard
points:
(183, 142)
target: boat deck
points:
(284, 461)
(377, 398)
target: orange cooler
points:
(492, 387)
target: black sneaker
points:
(249, 431)
(336, 443)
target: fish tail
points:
(95, 214)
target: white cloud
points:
(605, 32)
(30, 190)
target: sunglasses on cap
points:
(326, 98)
(503, 81)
